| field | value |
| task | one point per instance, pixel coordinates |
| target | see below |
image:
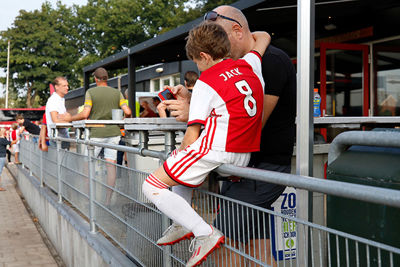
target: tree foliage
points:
(40, 51)
(60, 40)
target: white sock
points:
(174, 206)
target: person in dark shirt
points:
(3, 148)
(29, 126)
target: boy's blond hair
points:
(210, 38)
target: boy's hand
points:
(262, 40)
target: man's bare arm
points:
(57, 118)
(83, 115)
(127, 111)
(270, 102)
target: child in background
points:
(227, 101)
(3, 148)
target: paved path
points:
(20, 241)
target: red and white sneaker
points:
(174, 234)
(202, 246)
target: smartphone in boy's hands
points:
(166, 94)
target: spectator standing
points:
(15, 136)
(99, 103)
(29, 126)
(55, 107)
(43, 136)
(8, 150)
(279, 127)
(230, 109)
(3, 148)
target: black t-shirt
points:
(31, 127)
(3, 144)
(278, 135)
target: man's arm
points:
(57, 118)
(42, 138)
(83, 115)
(270, 102)
(127, 111)
(191, 135)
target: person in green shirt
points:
(99, 103)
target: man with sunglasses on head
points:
(277, 136)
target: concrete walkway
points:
(20, 241)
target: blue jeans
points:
(2, 163)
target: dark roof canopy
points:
(279, 18)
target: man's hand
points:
(161, 110)
(64, 117)
(179, 108)
(180, 92)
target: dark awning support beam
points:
(132, 83)
(86, 80)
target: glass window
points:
(387, 79)
(344, 89)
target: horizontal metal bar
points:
(134, 150)
(362, 138)
(366, 193)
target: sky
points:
(9, 9)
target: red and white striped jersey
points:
(228, 100)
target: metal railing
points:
(135, 224)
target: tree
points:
(41, 49)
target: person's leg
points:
(110, 156)
(172, 204)
(16, 157)
(260, 245)
(2, 163)
(120, 154)
(8, 155)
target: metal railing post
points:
(30, 155)
(143, 140)
(92, 220)
(59, 167)
(20, 158)
(169, 144)
(41, 168)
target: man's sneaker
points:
(202, 246)
(174, 234)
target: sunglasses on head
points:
(212, 15)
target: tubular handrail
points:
(366, 193)
(362, 138)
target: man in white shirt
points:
(55, 106)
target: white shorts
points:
(191, 166)
(109, 153)
(15, 148)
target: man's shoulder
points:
(273, 51)
(101, 89)
(52, 100)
